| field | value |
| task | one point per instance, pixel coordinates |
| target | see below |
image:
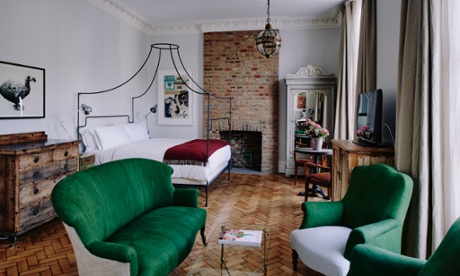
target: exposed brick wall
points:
(234, 68)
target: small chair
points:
(322, 177)
(372, 212)
(371, 260)
(299, 162)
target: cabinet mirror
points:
(310, 104)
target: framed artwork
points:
(22, 90)
(301, 100)
(175, 100)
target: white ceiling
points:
(161, 12)
(189, 16)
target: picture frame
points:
(175, 100)
(28, 81)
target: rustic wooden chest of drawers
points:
(30, 167)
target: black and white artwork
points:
(22, 90)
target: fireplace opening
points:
(246, 149)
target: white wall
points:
(191, 53)
(388, 23)
(81, 47)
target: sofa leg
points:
(203, 237)
(295, 257)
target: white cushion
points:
(111, 136)
(138, 131)
(89, 139)
(322, 248)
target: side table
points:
(86, 160)
(316, 154)
(229, 259)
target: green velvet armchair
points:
(372, 212)
(370, 260)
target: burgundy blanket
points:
(192, 152)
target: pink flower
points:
(364, 133)
(314, 130)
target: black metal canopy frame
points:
(178, 64)
(176, 59)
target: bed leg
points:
(229, 169)
(206, 192)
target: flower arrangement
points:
(364, 133)
(315, 130)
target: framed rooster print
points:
(22, 91)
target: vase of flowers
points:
(317, 134)
(364, 134)
(317, 143)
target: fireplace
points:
(246, 149)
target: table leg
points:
(265, 252)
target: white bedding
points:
(155, 149)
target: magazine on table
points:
(241, 237)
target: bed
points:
(113, 141)
(199, 163)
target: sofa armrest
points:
(381, 234)
(185, 197)
(321, 214)
(116, 252)
(371, 260)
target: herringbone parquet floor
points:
(250, 199)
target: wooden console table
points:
(347, 155)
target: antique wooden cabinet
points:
(347, 155)
(310, 93)
(30, 166)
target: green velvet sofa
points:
(126, 218)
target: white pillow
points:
(137, 132)
(89, 139)
(112, 136)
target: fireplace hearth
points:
(246, 149)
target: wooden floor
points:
(246, 198)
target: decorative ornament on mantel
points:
(268, 41)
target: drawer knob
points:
(35, 212)
(36, 174)
(36, 191)
(37, 159)
(66, 153)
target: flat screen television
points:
(370, 114)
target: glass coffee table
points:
(233, 259)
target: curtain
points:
(427, 126)
(348, 58)
(367, 58)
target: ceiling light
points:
(268, 42)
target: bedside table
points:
(86, 161)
